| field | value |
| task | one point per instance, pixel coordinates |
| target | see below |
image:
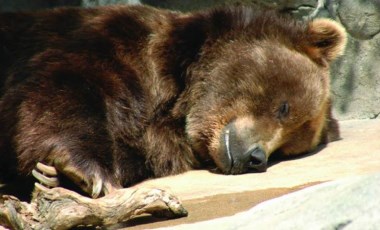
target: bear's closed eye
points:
(283, 110)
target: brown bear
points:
(113, 95)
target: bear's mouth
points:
(228, 149)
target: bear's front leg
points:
(92, 180)
(168, 150)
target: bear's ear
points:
(326, 40)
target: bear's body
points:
(111, 96)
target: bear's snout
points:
(258, 160)
(239, 153)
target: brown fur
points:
(124, 93)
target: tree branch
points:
(59, 208)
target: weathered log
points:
(59, 208)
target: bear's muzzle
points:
(238, 154)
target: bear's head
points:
(260, 84)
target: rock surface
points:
(206, 195)
(349, 203)
(361, 18)
(356, 76)
(357, 153)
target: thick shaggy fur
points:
(123, 93)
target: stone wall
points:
(355, 76)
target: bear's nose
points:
(258, 159)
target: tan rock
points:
(205, 193)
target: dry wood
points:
(59, 208)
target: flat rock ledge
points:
(350, 203)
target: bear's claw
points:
(48, 170)
(46, 175)
(97, 186)
(100, 186)
(93, 185)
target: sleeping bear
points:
(113, 95)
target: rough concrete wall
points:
(355, 76)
